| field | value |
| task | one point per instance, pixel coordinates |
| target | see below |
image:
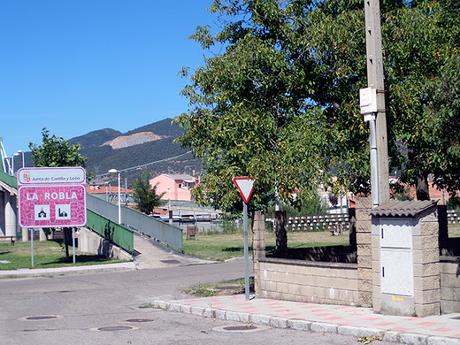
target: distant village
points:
(176, 192)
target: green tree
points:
(280, 102)
(421, 53)
(145, 195)
(57, 152)
(250, 114)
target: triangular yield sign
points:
(245, 186)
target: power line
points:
(146, 164)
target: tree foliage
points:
(145, 196)
(56, 152)
(280, 103)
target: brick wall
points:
(450, 285)
(315, 282)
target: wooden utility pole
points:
(375, 80)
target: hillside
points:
(108, 148)
(123, 141)
(95, 138)
(162, 127)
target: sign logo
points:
(63, 211)
(42, 212)
(26, 176)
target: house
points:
(107, 189)
(175, 186)
(108, 192)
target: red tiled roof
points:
(106, 189)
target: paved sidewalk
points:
(46, 272)
(346, 320)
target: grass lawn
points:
(48, 254)
(228, 287)
(225, 246)
(454, 230)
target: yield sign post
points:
(245, 186)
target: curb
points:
(50, 272)
(304, 325)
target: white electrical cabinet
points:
(396, 233)
(396, 271)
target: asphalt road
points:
(84, 303)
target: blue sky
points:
(79, 65)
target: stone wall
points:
(365, 255)
(450, 285)
(315, 282)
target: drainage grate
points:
(115, 328)
(170, 261)
(240, 328)
(139, 320)
(41, 317)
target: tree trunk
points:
(280, 233)
(352, 235)
(422, 191)
(251, 228)
(67, 240)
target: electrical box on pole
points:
(368, 101)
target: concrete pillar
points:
(364, 253)
(427, 270)
(375, 248)
(41, 235)
(10, 215)
(2, 213)
(258, 239)
(258, 247)
(25, 234)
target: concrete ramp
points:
(152, 255)
(168, 235)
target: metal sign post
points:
(32, 247)
(245, 186)
(246, 251)
(73, 245)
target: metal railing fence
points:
(118, 234)
(166, 234)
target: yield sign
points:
(245, 186)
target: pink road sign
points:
(47, 206)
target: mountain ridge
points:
(161, 145)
